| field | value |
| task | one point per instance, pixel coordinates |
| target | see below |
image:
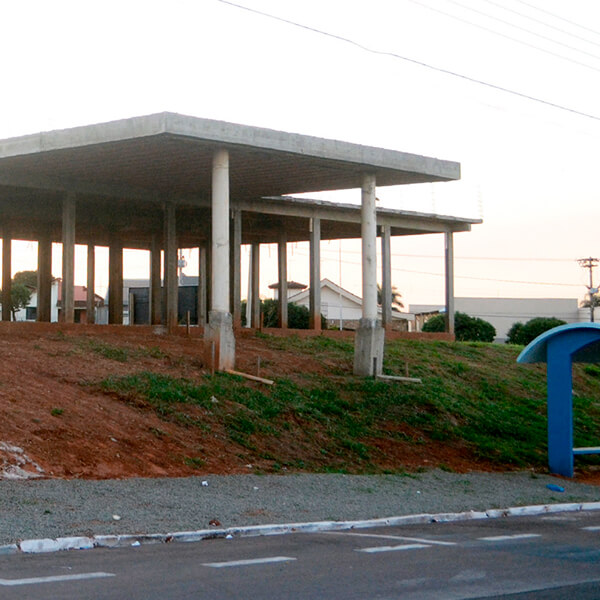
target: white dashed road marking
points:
(54, 579)
(395, 537)
(592, 528)
(503, 538)
(247, 562)
(392, 548)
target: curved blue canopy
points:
(587, 333)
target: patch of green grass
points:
(57, 412)
(105, 350)
(194, 462)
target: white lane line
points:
(249, 561)
(517, 536)
(394, 537)
(592, 528)
(54, 579)
(392, 548)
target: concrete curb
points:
(121, 541)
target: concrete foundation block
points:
(368, 348)
(220, 341)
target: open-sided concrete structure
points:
(168, 181)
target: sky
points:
(419, 76)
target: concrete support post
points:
(255, 282)
(386, 277)
(67, 313)
(171, 282)
(6, 276)
(282, 290)
(90, 304)
(314, 291)
(219, 331)
(155, 287)
(44, 286)
(235, 268)
(202, 286)
(369, 340)
(449, 263)
(115, 282)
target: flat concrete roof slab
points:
(171, 154)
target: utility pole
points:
(589, 263)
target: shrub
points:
(466, 328)
(298, 315)
(523, 334)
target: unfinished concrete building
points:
(167, 181)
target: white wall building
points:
(502, 313)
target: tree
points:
(20, 296)
(396, 295)
(466, 328)
(523, 334)
(28, 278)
(298, 315)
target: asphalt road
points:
(550, 556)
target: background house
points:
(502, 313)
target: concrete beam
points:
(282, 290)
(314, 292)
(44, 267)
(449, 279)
(386, 277)
(67, 313)
(171, 282)
(91, 285)
(6, 276)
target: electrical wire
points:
(557, 17)
(529, 31)
(414, 61)
(540, 22)
(504, 35)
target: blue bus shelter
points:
(559, 348)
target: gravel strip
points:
(54, 508)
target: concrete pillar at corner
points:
(255, 283)
(67, 313)
(115, 282)
(386, 277)
(44, 284)
(6, 276)
(449, 263)
(155, 288)
(90, 304)
(282, 290)
(219, 330)
(314, 292)
(171, 283)
(235, 268)
(370, 335)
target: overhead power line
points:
(413, 61)
(558, 17)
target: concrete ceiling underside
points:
(122, 173)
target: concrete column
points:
(449, 263)
(115, 282)
(369, 339)
(386, 277)
(6, 276)
(67, 313)
(255, 282)
(219, 331)
(155, 292)
(44, 285)
(235, 268)
(171, 282)
(202, 286)
(282, 301)
(91, 284)
(314, 291)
